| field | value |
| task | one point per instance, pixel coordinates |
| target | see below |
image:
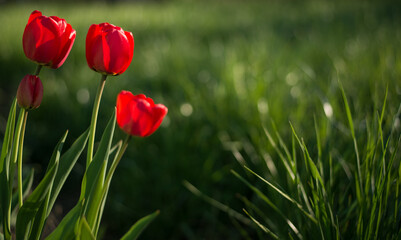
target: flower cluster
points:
(47, 41)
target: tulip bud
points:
(30, 92)
(138, 115)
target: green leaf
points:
(8, 137)
(84, 231)
(95, 175)
(41, 214)
(107, 182)
(57, 152)
(39, 220)
(6, 197)
(65, 229)
(5, 190)
(31, 206)
(67, 162)
(139, 226)
(26, 188)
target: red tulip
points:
(138, 115)
(47, 40)
(30, 92)
(109, 49)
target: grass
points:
(230, 72)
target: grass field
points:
(230, 71)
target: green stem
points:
(20, 151)
(17, 135)
(95, 112)
(13, 160)
(38, 68)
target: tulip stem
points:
(95, 112)
(20, 151)
(38, 68)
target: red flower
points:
(30, 92)
(109, 49)
(47, 40)
(138, 115)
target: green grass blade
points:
(139, 226)
(347, 110)
(231, 212)
(299, 206)
(261, 226)
(288, 165)
(351, 126)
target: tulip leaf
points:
(67, 161)
(96, 175)
(5, 190)
(40, 215)
(39, 220)
(8, 136)
(66, 228)
(139, 226)
(26, 188)
(84, 231)
(107, 183)
(28, 211)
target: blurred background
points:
(225, 69)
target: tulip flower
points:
(138, 115)
(30, 92)
(109, 49)
(47, 40)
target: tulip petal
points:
(98, 54)
(158, 114)
(130, 38)
(67, 41)
(123, 102)
(34, 15)
(61, 24)
(142, 117)
(93, 32)
(41, 42)
(120, 56)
